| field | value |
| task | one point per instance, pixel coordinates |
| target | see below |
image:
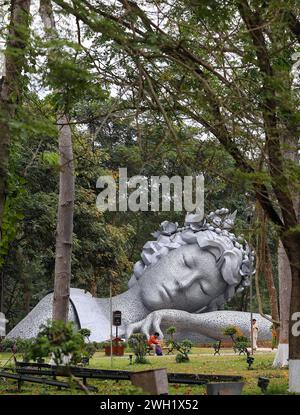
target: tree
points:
(64, 232)
(285, 282)
(264, 266)
(285, 276)
(242, 101)
(12, 85)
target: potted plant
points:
(118, 347)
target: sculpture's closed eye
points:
(203, 286)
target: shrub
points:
(183, 347)
(241, 344)
(181, 358)
(85, 333)
(102, 345)
(171, 331)
(60, 340)
(20, 345)
(230, 331)
(89, 350)
(138, 344)
(6, 345)
(235, 333)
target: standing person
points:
(254, 333)
(155, 344)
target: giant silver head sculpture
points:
(195, 268)
(183, 277)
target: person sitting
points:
(154, 343)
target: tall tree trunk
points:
(285, 289)
(264, 266)
(11, 93)
(64, 231)
(284, 267)
(64, 224)
(11, 85)
(291, 244)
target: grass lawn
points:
(201, 361)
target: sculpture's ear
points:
(228, 261)
(214, 247)
(230, 266)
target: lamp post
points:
(111, 324)
(249, 219)
(251, 304)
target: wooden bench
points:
(217, 347)
(27, 377)
(165, 348)
(168, 349)
(40, 373)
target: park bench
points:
(22, 377)
(165, 348)
(106, 374)
(169, 349)
(217, 347)
(44, 369)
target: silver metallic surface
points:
(29, 326)
(182, 279)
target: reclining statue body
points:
(184, 278)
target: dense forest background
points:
(136, 98)
(106, 244)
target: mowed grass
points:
(201, 361)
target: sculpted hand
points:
(211, 324)
(148, 325)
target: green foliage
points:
(15, 345)
(12, 214)
(51, 158)
(171, 331)
(138, 344)
(6, 345)
(202, 361)
(105, 246)
(85, 332)
(274, 389)
(24, 347)
(59, 340)
(182, 358)
(241, 344)
(230, 331)
(215, 345)
(101, 249)
(183, 347)
(89, 350)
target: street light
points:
(250, 215)
(111, 323)
(251, 306)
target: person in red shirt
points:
(154, 343)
